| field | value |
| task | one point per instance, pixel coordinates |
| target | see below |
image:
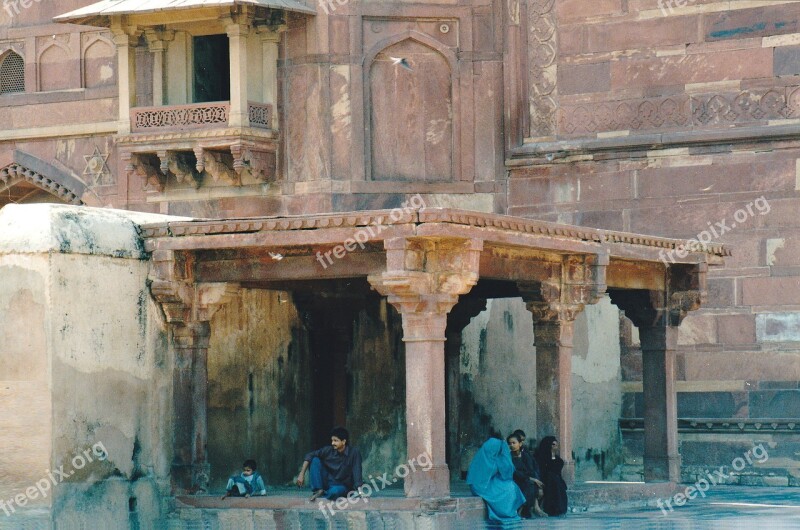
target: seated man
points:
(248, 483)
(335, 469)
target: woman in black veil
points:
(550, 466)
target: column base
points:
(662, 468)
(431, 484)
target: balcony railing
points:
(180, 117)
(260, 115)
(195, 116)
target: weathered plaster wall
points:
(259, 395)
(377, 402)
(84, 367)
(596, 392)
(498, 383)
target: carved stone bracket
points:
(183, 300)
(178, 165)
(147, 168)
(428, 276)
(582, 281)
(686, 292)
(259, 164)
(219, 165)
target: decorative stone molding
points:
(699, 110)
(543, 66)
(15, 171)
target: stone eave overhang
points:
(102, 14)
(492, 229)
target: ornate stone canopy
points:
(426, 262)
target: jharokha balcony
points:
(194, 145)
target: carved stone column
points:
(423, 281)
(126, 38)
(657, 315)
(270, 39)
(238, 29)
(555, 305)
(157, 42)
(188, 308)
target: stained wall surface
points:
(85, 385)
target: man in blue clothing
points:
(335, 469)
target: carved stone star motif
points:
(97, 167)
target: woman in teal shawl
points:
(491, 477)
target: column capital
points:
(157, 39)
(183, 300)
(271, 33)
(580, 280)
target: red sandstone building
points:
(615, 117)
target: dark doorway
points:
(212, 79)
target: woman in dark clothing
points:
(526, 476)
(550, 466)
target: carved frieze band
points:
(717, 425)
(543, 46)
(702, 110)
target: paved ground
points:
(723, 508)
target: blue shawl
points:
(491, 477)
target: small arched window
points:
(12, 73)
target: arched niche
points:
(99, 64)
(53, 64)
(412, 133)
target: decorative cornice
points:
(727, 425)
(428, 215)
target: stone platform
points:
(289, 508)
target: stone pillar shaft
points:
(237, 34)
(424, 337)
(190, 390)
(269, 49)
(553, 341)
(126, 62)
(661, 459)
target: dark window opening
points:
(12, 74)
(212, 80)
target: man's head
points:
(339, 437)
(520, 434)
(249, 467)
(514, 443)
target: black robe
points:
(555, 489)
(525, 468)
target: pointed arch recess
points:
(452, 61)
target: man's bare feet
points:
(539, 512)
(316, 495)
